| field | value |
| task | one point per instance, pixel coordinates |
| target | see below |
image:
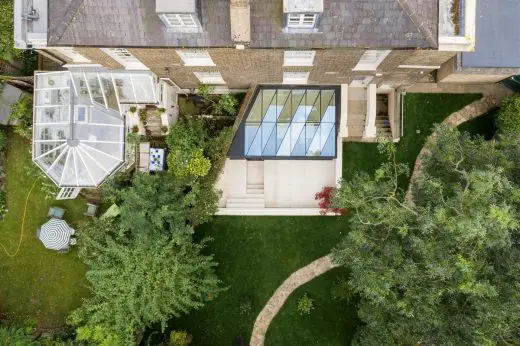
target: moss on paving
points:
(330, 323)
(38, 284)
(255, 255)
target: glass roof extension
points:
(78, 130)
(292, 122)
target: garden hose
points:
(21, 231)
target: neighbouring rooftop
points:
(343, 23)
(79, 130)
(497, 35)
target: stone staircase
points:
(383, 125)
(254, 198)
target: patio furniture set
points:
(56, 234)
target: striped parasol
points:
(55, 234)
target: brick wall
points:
(242, 68)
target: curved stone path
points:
(275, 303)
(469, 112)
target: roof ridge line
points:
(430, 38)
(70, 13)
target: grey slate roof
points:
(497, 41)
(344, 23)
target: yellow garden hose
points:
(21, 231)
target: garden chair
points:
(73, 241)
(56, 212)
(91, 210)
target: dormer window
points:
(302, 20)
(302, 15)
(182, 20)
(179, 16)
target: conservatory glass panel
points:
(295, 122)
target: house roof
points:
(344, 23)
(497, 36)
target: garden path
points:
(275, 303)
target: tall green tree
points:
(445, 269)
(139, 281)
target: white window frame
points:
(71, 53)
(195, 57)
(301, 20)
(211, 78)
(125, 58)
(371, 59)
(68, 193)
(292, 77)
(179, 20)
(298, 57)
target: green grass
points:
(256, 254)
(421, 112)
(484, 125)
(37, 284)
(331, 322)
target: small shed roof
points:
(8, 96)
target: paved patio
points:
(274, 187)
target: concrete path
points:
(493, 96)
(275, 303)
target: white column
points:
(370, 120)
(343, 129)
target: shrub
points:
(132, 138)
(164, 129)
(22, 113)
(3, 203)
(508, 121)
(305, 305)
(133, 109)
(142, 116)
(325, 198)
(227, 105)
(3, 140)
(161, 110)
(135, 129)
(180, 338)
(245, 305)
(340, 289)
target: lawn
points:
(421, 112)
(37, 284)
(256, 254)
(331, 322)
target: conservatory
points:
(79, 128)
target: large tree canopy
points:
(444, 270)
(144, 267)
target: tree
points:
(137, 281)
(186, 142)
(508, 119)
(22, 114)
(444, 270)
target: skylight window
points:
(180, 20)
(298, 57)
(371, 59)
(196, 58)
(210, 77)
(292, 122)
